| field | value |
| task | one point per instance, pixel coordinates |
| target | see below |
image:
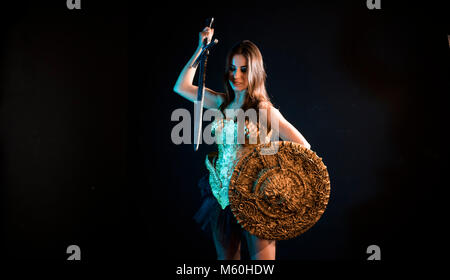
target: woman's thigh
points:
(260, 249)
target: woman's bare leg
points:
(229, 249)
(260, 249)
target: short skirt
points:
(217, 223)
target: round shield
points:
(279, 190)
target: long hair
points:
(256, 91)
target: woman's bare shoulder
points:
(215, 97)
(266, 105)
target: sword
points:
(198, 104)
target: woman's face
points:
(238, 73)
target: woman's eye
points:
(232, 69)
(244, 69)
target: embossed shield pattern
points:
(279, 195)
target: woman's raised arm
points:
(184, 86)
(286, 130)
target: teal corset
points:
(229, 152)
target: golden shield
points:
(279, 190)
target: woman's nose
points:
(237, 74)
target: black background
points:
(86, 106)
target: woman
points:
(245, 89)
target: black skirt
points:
(216, 222)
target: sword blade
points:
(198, 117)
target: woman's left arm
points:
(287, 131)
